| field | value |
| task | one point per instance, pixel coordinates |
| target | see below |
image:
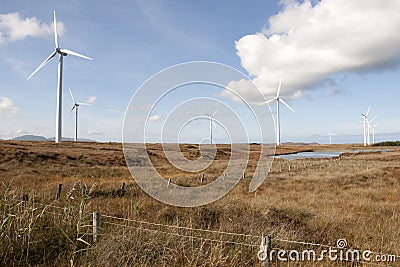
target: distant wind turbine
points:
(366, 131)
(373, 132)
(330, 137)
(61, 54)
(76, 107)
(212, 124)
(369, 129)
(278, 101)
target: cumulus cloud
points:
(7, 108)
(308, 42)
(91, 99)
(13, 28)
(154, 118)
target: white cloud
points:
(306, 43)
(91, 99)
(154, 118)
(7, 108)
(13, 28)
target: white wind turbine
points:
(278, 101)
(366, 131)
(212, 124)
(373, 132)
(61, 54)
(369, 129)
(76, 107)
(330, 137)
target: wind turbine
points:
(212, 124)
(373, 132)
(330, 137)
(369, 129)
(61, 54)
(76, 107)
(365, 118)
(278, 101)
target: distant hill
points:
(30, 137)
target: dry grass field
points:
(355, 196)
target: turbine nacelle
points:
(58, 50)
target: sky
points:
(336, 58)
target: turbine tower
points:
(76, 107)
(373, 132)
(61, 54)
(366, 131)
(212, 124)
(330, 137)
(278, 101)
(369, 130)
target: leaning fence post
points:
(96, 225)
(202, 178)
(58, 191)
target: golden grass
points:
(354, 197)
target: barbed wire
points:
(184, 236)
(182, 227)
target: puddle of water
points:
(324, 154)
(310, 155)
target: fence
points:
(251, 250)
(262, 247)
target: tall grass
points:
(355, 196)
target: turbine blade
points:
(286, 104)
(73, 99)
(372, 119)
(84, 104)
(366, 114)
(215, 112)
(69, 52)
(43, 64)
(279, 88)
(266, 102)
(55, 30)
(73, 107)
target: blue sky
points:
(328, 84)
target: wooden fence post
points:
(58, 191)
(96, 225)
(265, 251)
(202, 178)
